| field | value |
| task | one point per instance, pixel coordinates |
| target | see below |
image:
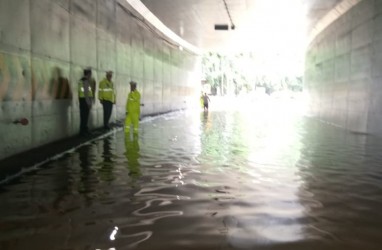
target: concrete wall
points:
(344, 70)
(44, 46)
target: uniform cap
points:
(87, 71)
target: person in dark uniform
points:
(206, 100)
(86, 99)
(106, 95)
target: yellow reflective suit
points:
(106, 91)
(84, 93)
(133, 109)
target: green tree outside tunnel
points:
(243, 72)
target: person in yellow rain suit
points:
(106, 96)
(133, 109)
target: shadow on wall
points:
(61, 92)
(59, 87)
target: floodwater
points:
(258, 178)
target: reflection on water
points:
(259, 178)
(132, 155)
(107, 165)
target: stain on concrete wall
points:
(44, 46)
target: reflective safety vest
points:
(106, 91)
(81, 90)
(133, 104)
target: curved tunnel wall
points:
(343, 70)
(44, 46)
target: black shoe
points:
(86, 134)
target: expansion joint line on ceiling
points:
(229, 15)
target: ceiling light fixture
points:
(221, 26)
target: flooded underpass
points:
(259, 178)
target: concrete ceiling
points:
(257, 22)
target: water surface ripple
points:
(218, 180)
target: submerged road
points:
(258, 178)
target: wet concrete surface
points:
(236, 179)
(24, 161)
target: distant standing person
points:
(106, 95)
(133, 109)
(201, 100)
(86, 99)
(206, 100)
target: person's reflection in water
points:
(132, 156)
(106, 171)
(205, 118)
(85, 185)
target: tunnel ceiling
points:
(194, 20)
